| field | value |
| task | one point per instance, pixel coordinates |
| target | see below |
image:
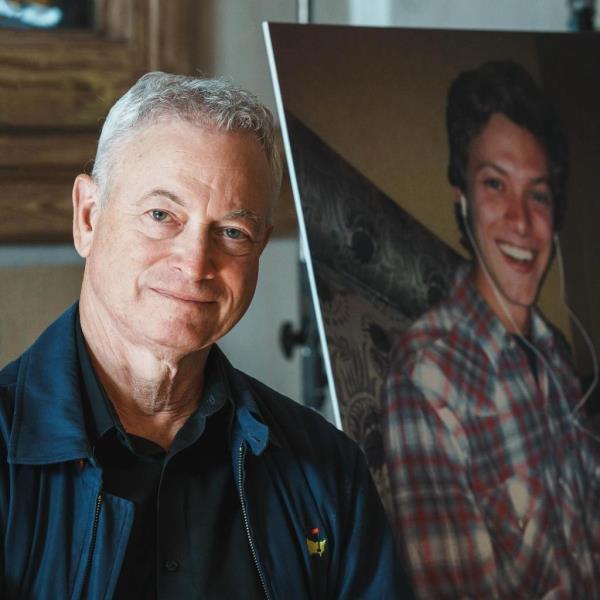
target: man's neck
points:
(153, 392)
(515, 318)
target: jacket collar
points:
(249, 424)
(49, 424)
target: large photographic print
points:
(463, 350)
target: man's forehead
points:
(192, 128)
(502, 138)
(201, 143)
(180, 162)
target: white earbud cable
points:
(582, 331)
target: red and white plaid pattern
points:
(496, 492)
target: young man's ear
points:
(458, 194)
(85, 213)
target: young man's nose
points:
(518, 212)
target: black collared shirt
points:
(188, 538)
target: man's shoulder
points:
(306, 453)
(42, 369)
(49, 351)
(325, 479)
(8, 382)
(8, 374)
(298, 427)
(433, 330)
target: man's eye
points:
(233, 234)
(493, 183)
(159, 215)
(543, 197)
(234, 241)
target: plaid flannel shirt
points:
(495, 489)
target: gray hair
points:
(214, 103)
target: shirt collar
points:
(49, 421)
(99, 413)
(101, 416)
(249, 423)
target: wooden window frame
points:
(55, 88)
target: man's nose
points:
(518, 212)
(194, 255)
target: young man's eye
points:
(543, 197)
(493, 183)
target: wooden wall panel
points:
(55, 88)
(28, 152)
(36, 210)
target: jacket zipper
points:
(88, 567)
(242, 456)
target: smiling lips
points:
(523, 256)
(182, 297)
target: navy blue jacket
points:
(62, 537)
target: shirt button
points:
(171, 565)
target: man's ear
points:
(86, 197)
(460, 201)
(457, 193)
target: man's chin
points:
(514, 288)
(519, 302)
(180, 341)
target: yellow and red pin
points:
(315, 544)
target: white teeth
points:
(516, 253)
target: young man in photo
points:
(494, 480)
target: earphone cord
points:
(582, 331)
(571, 314)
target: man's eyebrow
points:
(541, 179)
(163, 193)
(486, 163)
(244, 213)
(492, 165)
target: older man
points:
(495, 483)
(137, 462)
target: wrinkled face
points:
(511, 213)
(173, 259)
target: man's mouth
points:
(184, 297)
(521, 254)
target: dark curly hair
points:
(504, 87)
